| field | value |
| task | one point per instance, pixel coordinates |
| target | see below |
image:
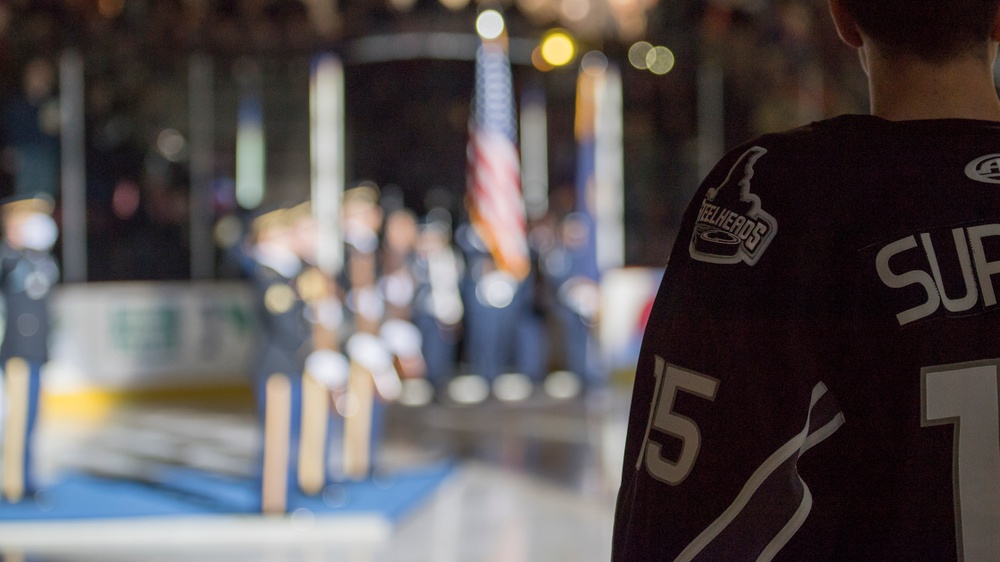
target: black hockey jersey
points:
(819, 376)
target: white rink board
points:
(67, 537)
(126, 336)
(626, 296)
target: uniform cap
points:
(36, 203)
(366, 192)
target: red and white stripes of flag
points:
(496, 205)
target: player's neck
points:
(911, 89)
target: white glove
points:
(367, 303)
(369, 351)
(402, 337)
(330, 313)
(581, 295)
(398, 289)
(329, 367)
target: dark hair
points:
(935, 30)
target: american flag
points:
(496, 207)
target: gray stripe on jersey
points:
(784, 497)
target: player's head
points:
(932, 30)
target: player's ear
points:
(847, 28)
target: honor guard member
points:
(820, 374)
(398, 285)
(27, 275)
(286, 346)
(326, 369)
(487, 294)
(437, 306)
(502, 331)
(374, 379)
(397, 281)
(573, 272)
(531, 353)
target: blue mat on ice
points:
(190, 492)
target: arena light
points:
(251, 153)
(558, 48)
(490, 24)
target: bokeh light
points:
(228, 231)
(538, 61)
(660, 60)
(558, 48)
(125, 199)
(403, 5)
(110, 8)
(637, 54)
(454, 5)
(489, 24)
(170, 143)
(594, 63)
(575, 10)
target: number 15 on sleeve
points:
(670, 380)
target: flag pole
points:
(326, 120)
(201, 101)
(326, 103)
(609, 171)
(74, 167)
(534, 152)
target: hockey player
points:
(819, 376)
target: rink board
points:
(196, 507)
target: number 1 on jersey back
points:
(966, 396)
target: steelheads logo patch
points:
(732, 227)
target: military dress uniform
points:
(285, 338)
(286, 342)
(373, 379)
(570, 269)
(437, 303)
(504, 329)
(27, 277)
(487, 295)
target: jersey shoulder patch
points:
(732, 227)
